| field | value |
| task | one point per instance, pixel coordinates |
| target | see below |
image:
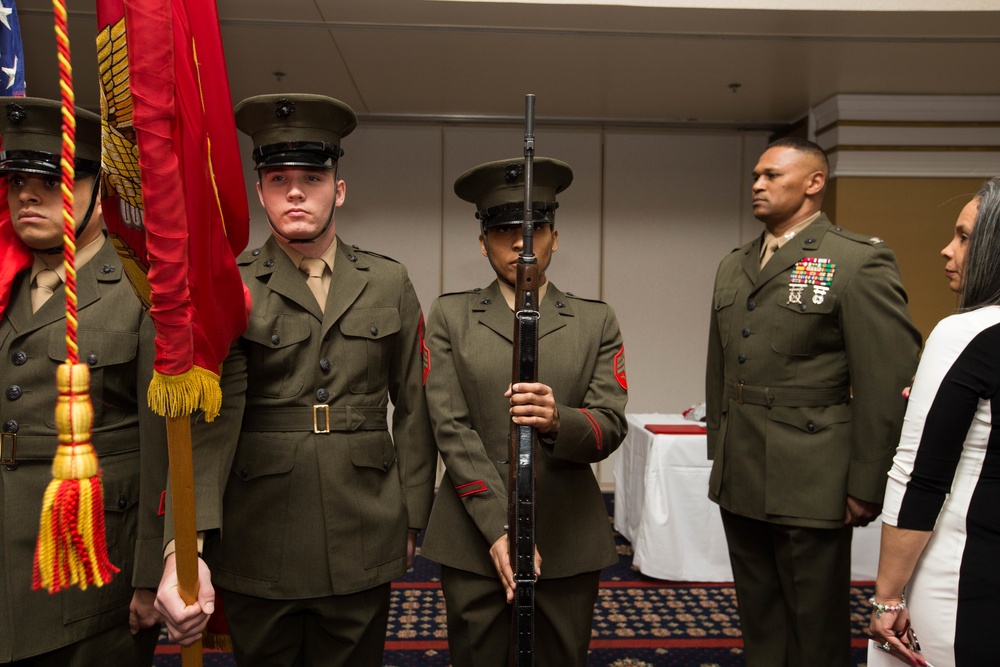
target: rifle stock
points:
(523, 439)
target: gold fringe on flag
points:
(179, 395)
(72, 548)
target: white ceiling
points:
(458, 61)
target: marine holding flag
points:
(176, 210)
(322, 505)
(74, 628)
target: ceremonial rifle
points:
(521, 495)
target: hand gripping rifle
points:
(521, 494)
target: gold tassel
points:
(71, 548)
(179, 395)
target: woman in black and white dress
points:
(941, 522)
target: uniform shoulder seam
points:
(583, 298)
(248, 257)
(372, 253)
(856, 237)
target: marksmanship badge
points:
(813, 271)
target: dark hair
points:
(803, 146)
(981, 272)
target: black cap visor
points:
(42, 162)
(313, 154)
(512, 214)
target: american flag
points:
(11, 53)
(14, 255)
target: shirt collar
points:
(83, 255)
(790, 234)
(329, 255)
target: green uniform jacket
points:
(822, 373)
(581, 356)
(309, 514)
(115, 339)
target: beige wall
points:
(916, 217)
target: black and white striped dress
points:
(946, 477)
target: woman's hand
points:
(892, 632)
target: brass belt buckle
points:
(321, 415)
(739, 392)
(8, 449)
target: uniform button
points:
(275, 339)
(477, 289)
(560, 304)
(10, 426)
(352, 257)
(107, 268)
(244, 473)
(385, 465)
(374, 330)
(324, 365)
(839, 229)
(570, 294)
(18, 358)
(255, 252)
(811, 427)
(751, 304)
(269, 263)
(322, 395)
(746, 333)
(92, 359)
(742, 358)
(13, 392)
(802, 307)
(810, 240)
(356, 247)
(122, 502)
(486, 302)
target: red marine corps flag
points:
(174, 200)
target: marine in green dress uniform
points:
(577, 407)
(810, 347)
(72, 628)
(322, 505)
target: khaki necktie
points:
(314, 267)
(46, 282)
(769, 250)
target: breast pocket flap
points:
(371, 323)
(97, 348)
(280, 331)
(806, 304)
(723, 298)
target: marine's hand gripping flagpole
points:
(521, 489)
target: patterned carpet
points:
(638, 622)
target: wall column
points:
(902, 167)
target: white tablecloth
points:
(662, 507)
